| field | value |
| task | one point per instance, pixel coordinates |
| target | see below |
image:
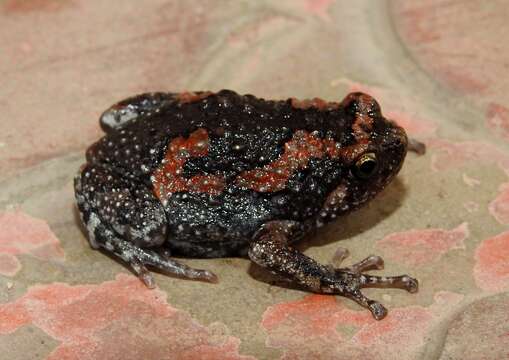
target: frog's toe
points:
(172, 267)
(378, 310)
(143, 274)
(205, 275)
(416, 146)
(412, 285)
(404, 282)
(339, 256)
(372, 262)
(198, 274)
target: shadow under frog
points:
(219, 174)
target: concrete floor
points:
(437, 67)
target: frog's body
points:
(212, 175)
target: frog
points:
(218, 174)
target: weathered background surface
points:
(438, 67)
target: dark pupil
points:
(367, 167)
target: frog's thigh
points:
(127, 223)
(134, 213)
(139, 258)
(125, 111)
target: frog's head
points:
(371, 156)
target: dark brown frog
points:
(219, 174)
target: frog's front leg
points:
(128, 110)
(127, 222)
(270, 249)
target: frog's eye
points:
(366, 166)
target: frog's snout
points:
(400, 134)
(395, 142)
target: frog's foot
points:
(270, 249)
(416, 146)
(352, 279)
(125, 111)
(139, 258)
(348, 282)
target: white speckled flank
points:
(93, 222)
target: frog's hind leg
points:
(126, 111)
(129, 223)
(139, 259)
(270, 249)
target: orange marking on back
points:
(298, 152)
(363, 123)
(316, 103)
(189, 97)
(168, 179)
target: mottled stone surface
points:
(480, 331)
(437, 67)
